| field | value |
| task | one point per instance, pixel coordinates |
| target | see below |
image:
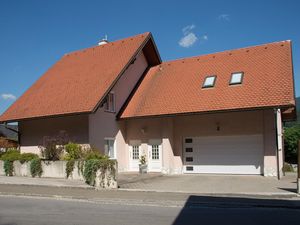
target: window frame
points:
(236, 83)
(212, 85)
(106, 149)
(110, 107)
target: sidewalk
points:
(210, 184)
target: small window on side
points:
(209, 81)
(110, 103)
(109, 147)
(236, 78)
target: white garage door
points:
(224, 154)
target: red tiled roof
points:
(176, 87)
(77, 82)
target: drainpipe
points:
(277, 150)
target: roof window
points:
(209, 81)
(236, 78)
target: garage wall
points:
(172, 130)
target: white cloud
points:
(188, 40)
(186, 30)
(205, 37)
(225, 17)
(8, 97)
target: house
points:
(218, 113)
(8, 136)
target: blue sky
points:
(35, 34)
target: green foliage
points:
(36, 167)
(26, 157)
(52, 147)
(93, 165)
(287, 167)
(291, 138)
(8, 167)
(94, 154)
(73, 150)
(143, 160)
(11, 155)
(70, 167)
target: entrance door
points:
(154, 156)
(134, 155)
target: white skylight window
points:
(209, 81)
(236, 78)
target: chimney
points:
(103, 41)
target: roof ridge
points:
(109, 43)
(225, 51)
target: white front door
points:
(154, 156)
(134, 155)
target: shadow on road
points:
(238, 210)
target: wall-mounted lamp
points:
(218, 126)
(143, 130)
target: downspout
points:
(277, 147)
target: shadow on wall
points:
(238, 210)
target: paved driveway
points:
(210, 184)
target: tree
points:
(291, 138)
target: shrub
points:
(92, 165)
(70, 167)
(36, 167)
(287, 167)
(73, 150)
(11, 155)
(94, 154)
(52, 147)
(291, 138)
(8, 167)
(26, 157)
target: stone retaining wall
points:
(57, 169)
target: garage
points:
(242, 154)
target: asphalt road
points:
(21, 210)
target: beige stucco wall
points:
(172, 130)
(33, 131)
(104, 125)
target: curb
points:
(241, 194)
(164, 203)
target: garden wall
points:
(57, 169)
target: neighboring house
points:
(8, 136)
(217, 113)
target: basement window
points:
(209, 81)
(236, 78)
(110, 102)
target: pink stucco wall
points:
(171, 131)
(33, 131)
(104, 125)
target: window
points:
(188, 149)
(189, 159)
(110, 102)
(209, 82)
(189, 168)
(135, 152)
(188, 140)
(236, 78)
(155, 152)
(109, 147)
